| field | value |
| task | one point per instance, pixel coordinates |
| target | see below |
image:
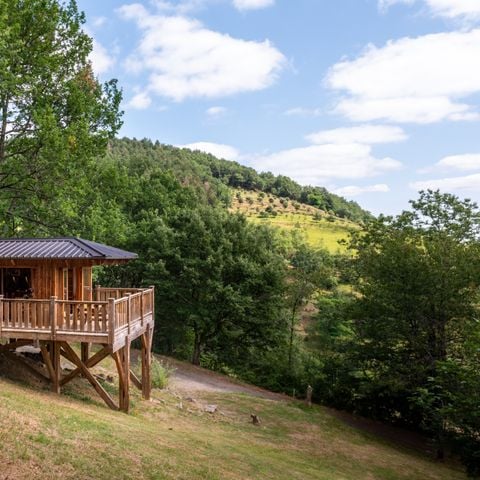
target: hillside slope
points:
(74, 436)
(195, 167)
(319, 229)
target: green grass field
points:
(318, 233)
(311, 223)
(48, 436)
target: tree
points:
(224, 282)
(55, 117)
(419, 282)
(311, 270)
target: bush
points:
(160, 374)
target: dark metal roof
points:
(60, 248)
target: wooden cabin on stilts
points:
(47, 300)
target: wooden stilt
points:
(147, 363)
(122, 359)
(47, 360)
(85, 352)
(55, 358)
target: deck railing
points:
(103, 294)
(119, 311)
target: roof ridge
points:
(84, 243)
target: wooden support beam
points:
(146, 365)
(122, 359)
(70, 354)
(57, 370)
(146, 354)
(135, 380)
(85, 348)
(91, 362)
(69, 357)
(47, 360)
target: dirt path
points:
(188, 378)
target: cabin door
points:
(69, 284)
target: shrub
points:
(160, 374)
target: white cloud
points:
(215, 112)
(100, 58)
(386, 4)
(219, 150)
(449, 184)
(140, 101)
(417, 80)
(317, 164)
(184, 59)
(354, 190)
(303, 112)
(99, 21)
(405, 110)
(463, 163)
(252, 4)
(179, 7)
(365, 134)
(466, 9)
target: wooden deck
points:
(115, 316)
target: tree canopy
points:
(55, 116)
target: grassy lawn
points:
(48, 436)
(318, 233)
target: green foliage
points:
(238, 176)
(416, 327)
(160, 374)
(54, 115)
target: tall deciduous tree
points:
(54, 114)
(224, 281)
(419, 280)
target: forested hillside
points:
(189, 164)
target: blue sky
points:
(373, 99)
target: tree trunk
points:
(197, 349)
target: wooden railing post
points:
(152, 301)
(111, 320)
(141, 308)
(52, 313)
(129, 311)
(97, 293)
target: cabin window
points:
(16, 282)
(68, 284)
(87, 283)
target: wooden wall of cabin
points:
(50, 279)
(47, 281)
